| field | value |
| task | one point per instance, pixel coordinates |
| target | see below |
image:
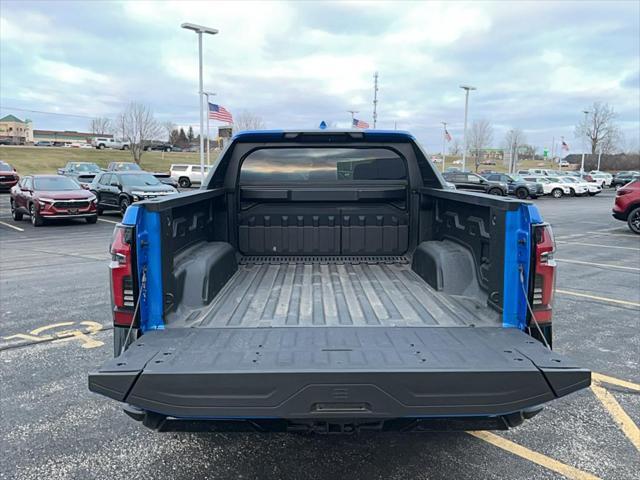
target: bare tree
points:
(455, 149)
(138, 126)
(600, 129)
(513, 140)
(247, 121)
(480, 137)
(100, 126)
(168, 127)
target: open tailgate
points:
(317, 372)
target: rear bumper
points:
(338, 375)
(619, 215)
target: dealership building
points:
(21, 132)
(16, 131)
(66, 136)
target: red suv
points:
(8, 176)
(627, 206)
(52, 196)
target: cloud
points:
(70, 74)
(536, 65)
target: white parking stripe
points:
(107, 221)
(630, 235)
(597, 264)
(602, 299)
(12, 226)
(597, 245)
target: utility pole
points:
(586, 114)
(466, 88)
(444, 142)
(375, 99)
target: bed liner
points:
(337, 291)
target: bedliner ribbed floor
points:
(337, 294)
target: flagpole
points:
(208, 140)
(207, 94)
(444, 143)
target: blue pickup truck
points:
(332, 282)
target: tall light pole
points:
(444, 142)
(207, 94)
(586, 115)
(200, 29)
(466, 88)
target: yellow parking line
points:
(578, 262)
(602, 299)
(107, 221)
(535, 457)
(600, 378)
(12, 226)
(623, 420)
(597, 245)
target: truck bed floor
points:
(337, 293)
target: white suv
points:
(550, 185)
(187, 175)
(102, 142)
(580, 187)
(601, 178)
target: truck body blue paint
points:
(130, 217)
(517, 260)
(148, 250)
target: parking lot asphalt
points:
(53, 427)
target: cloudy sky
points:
(536, 65)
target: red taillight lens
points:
(122, 291)
(544, 275)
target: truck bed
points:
(337, 291)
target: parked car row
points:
(81, 190)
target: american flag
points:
(360, 123)
(565, 146)
(447, 136)
(218, 112)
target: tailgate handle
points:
(341, 407)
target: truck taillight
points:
(544, 275)
(122, 284)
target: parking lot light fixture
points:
(200, 29)
(466, 88)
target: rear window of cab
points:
(322, 165)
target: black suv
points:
(476, 183)
(118, 190)
(517, 185)
(622, 178)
